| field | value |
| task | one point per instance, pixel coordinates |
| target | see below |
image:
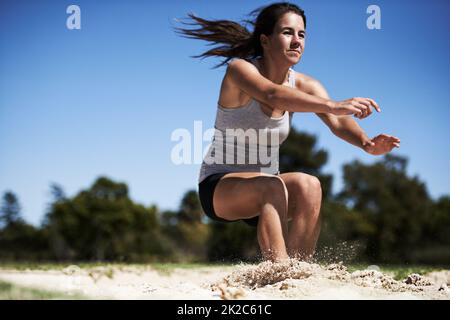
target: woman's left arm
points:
(349, 130)
(346, 128)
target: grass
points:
(401, 272)
(398, 272)
(10, 291)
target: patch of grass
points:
(10, 291)
(355, 267)
(401, 272)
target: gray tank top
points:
(246, 139)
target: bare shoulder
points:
(243, 81)
(240, 64)
(239, 68)
(236, 68)
(231, 93)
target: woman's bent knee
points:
(273, 190)
(306, 186)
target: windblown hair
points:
(237, 41)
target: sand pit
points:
(291, 279)
(295, 279)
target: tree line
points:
(381, 215)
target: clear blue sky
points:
(104, 100)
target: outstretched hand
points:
(359, 107)
(381, 144)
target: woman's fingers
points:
(364, 101)
(391, 138)
(359, 107)
(374, 104)
(369, 104)
(367, 109)
(364, 109)
(357, 112)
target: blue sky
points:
(105, 99)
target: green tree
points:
(190, 208)
(187, 231)
(393, 207)
(57, 192)
(232, 242)
(439, 222)
(10, 209)
(18, 239)
(103, 223)
(436, 238)
(343, 234)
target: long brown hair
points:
(237, 40)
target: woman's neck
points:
(275, 73)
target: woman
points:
(260, 92)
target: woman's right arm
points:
(247, 77)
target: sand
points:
(291, 279)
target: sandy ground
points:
(288, 280)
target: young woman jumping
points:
(259, 93)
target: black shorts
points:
(206, 192)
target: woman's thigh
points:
(239, 195)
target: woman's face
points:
(287, 41)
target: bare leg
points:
(246, 195)
(305, 197)
(273, 218)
